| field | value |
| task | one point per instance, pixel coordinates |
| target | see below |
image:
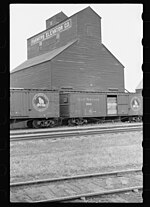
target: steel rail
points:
(107, 192)
(72, 197)
(72, 133)
(114, 173)
(74, 130)
(62, 129)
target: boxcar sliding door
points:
(111, 105)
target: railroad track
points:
(72, 131)
(61, 129)
(76, 187)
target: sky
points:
(121, 29)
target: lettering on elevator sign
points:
(135, 103)
(40, 102)
(50, 33)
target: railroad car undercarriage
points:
(50, 123)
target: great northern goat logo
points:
(135, 103)
(40, 102)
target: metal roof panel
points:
(42, 58)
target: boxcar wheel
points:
(71, 122)
(36, 124)
(79, 122)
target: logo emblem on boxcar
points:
(135, 103)
(40, 102)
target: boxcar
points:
(83, 106)
(47, 108)
(34, 107)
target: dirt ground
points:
(75, 155)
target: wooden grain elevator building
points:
(69, 55)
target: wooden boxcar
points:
(35, 107)
(80, 107)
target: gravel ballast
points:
(48, 158)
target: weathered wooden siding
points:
(54, 42)
(21, 104)
(122, 101)
(85, 65)
(87, 105)
(83, 68)
(55, 20)
(38, 76)
(82, 104)
(89, 24)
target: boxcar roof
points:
(42, 58)
(33, 89)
